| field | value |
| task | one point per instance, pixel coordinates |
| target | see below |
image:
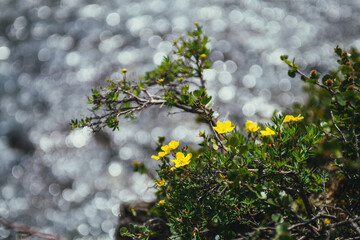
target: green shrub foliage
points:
(297, 177)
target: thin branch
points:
(317, 83)
(302, 192)
(324, 192)
(22, 228)
(331, 135)
(356, 144)
(336, 126)
(353, 107)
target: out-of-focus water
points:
(53, 52)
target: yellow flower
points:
(203, 55)
(172, 169)
(161, 80)
(124, 70)
(160, 182)
(291, 118)
(181, 160)
(251, 126)
(224, 127)
(222, 175)
(166, 149)
(173, 144)
(155, 157)
(327, 221)
(299, 117)
(161, 202)
(160, 155)
(267, 132)
(180, 79)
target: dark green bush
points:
(297, 177)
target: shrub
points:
(294, 178)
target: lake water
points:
(53, 52)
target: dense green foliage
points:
(294, 178)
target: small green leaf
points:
(340, 99)
(292, 72)
(123, 230)
(234, 141)
(205, 100)
(198, 93)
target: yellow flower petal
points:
(288, 118)
(180, 156)
(251, 126)
(203, 55)
(188, 157)
(174, 144)
(299, 117)
(160, 182)
(166, 149)
(155, 157)
(162, 154)
(291, 118)
(327, 221)
(267, 132)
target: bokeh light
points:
(53, 52)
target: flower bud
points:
(350, 88)
(313, 74)
(124, 70)
(329, 82)
(203, 55)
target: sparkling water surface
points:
(53, 52)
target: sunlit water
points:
(53, 52)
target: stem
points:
(337, 128)
(22, 228)
(317, 83)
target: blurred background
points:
(53, 52)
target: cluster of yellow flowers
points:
(253, 127)
(221, 128)
(166, 149)
(250, 126)
(181, 159)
